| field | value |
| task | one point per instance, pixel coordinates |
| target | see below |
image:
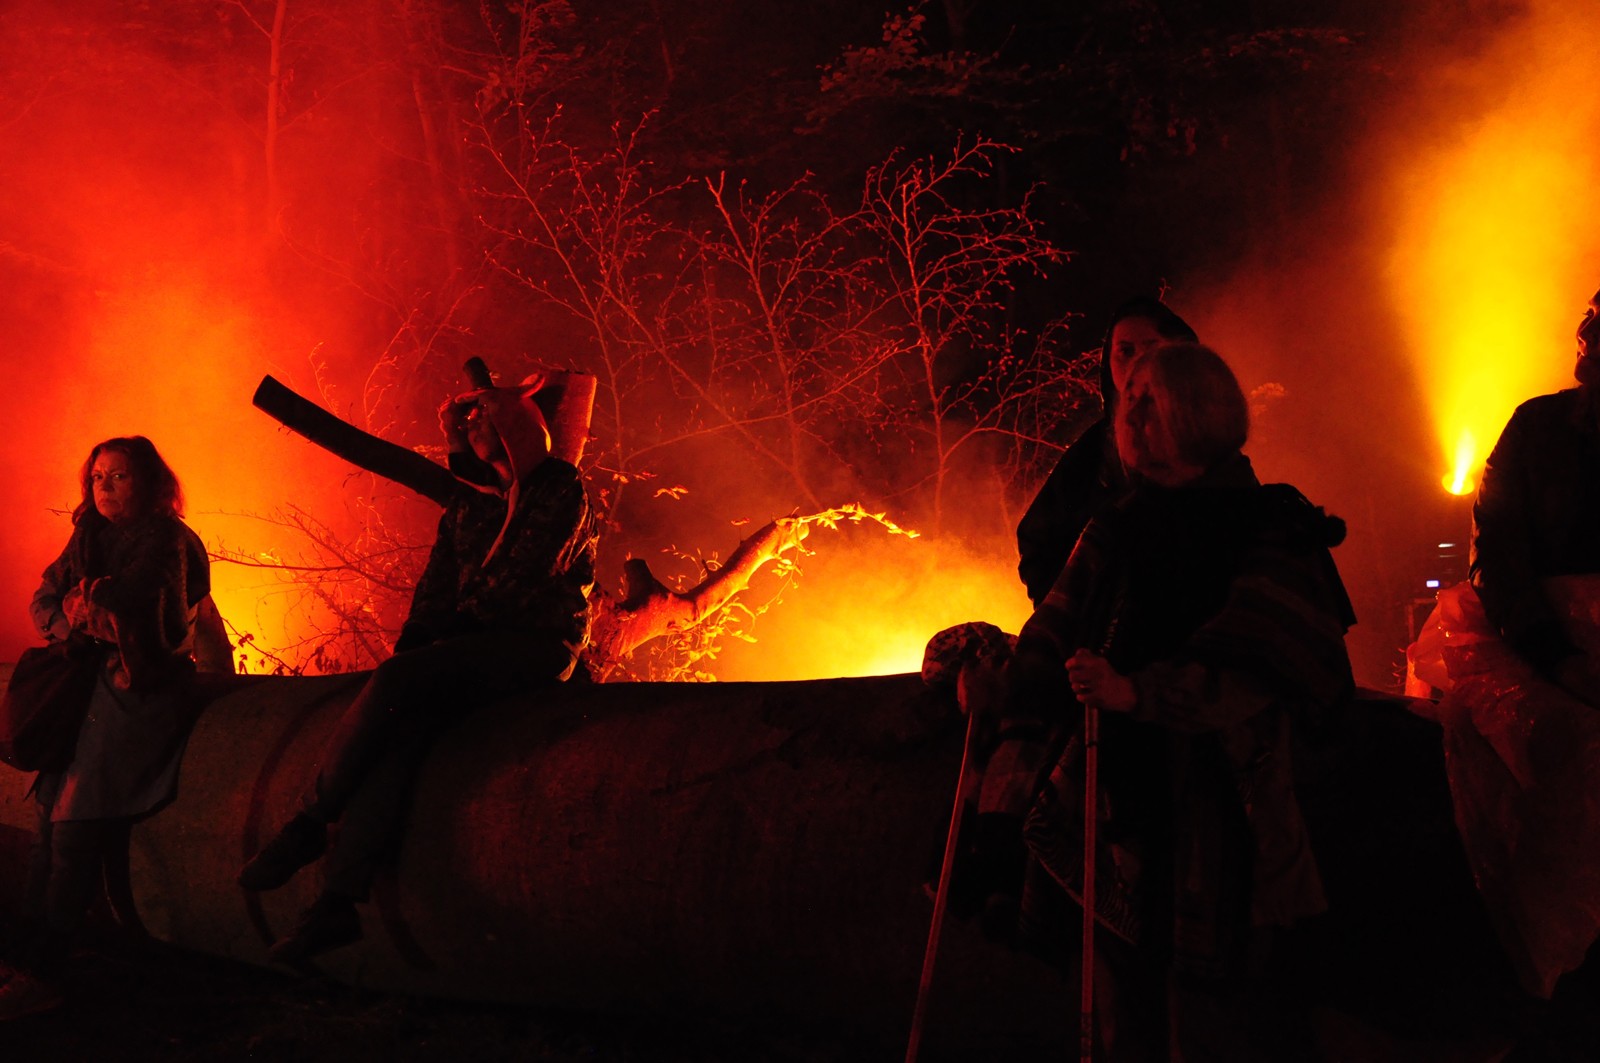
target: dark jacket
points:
(147, 576)
(530, 571)
(146, 579)
(1087, 478)
(1089, 475)
(1222, 604)
(1538, 514)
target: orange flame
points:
(1460, 481)
(869, 606)
(1487, 271)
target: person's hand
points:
(1576, 675)
(76, 606)
(1097, 685)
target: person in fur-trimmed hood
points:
(502, 607)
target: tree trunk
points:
(727, 850)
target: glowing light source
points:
(1488, 273)
(1460, 481)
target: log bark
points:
(733, 850)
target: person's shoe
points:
(301, 841)
(330, 923)
(26, 994)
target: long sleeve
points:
(1279, 638)
(154, 578)
(1195, 696)
(49, 619)
(1051, 526)
(1073, 614)
(433, 612)
(1505, 570)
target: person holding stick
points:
(501, 608)
(1203, 618)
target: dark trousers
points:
(372, 759)
(65, 875)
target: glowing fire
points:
(869, 606)
(1459, 481)
(1488, 273)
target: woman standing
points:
(1204, 617)
(131, 578)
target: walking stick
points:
(1091, 788)
(942, 896)
(1091, 809)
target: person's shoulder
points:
(1285, 515)
(553, 474)
(555, 468)
(1553, 407)
(165, 528)
(553, 483)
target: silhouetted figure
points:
(1204, 617)
(502, 608)
(1538, 515)
(128, 586)
(1089, 475)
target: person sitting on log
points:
(1203, 616)
(1537, 515)
(502, 608)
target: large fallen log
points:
(732, 850)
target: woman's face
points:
(1131, 337)
(1144, 437)
(115, 492)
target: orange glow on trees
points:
(1488, 272)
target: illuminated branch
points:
(650, 609)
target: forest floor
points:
(139, 1003)
(149, 1002)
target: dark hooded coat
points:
(1221, 602)
(520, 559)
(147, 577)
(1087, 477)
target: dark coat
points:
(1538, 514)
(529, 568)
(1221, 603)
(1089, 476)
(147, 578)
